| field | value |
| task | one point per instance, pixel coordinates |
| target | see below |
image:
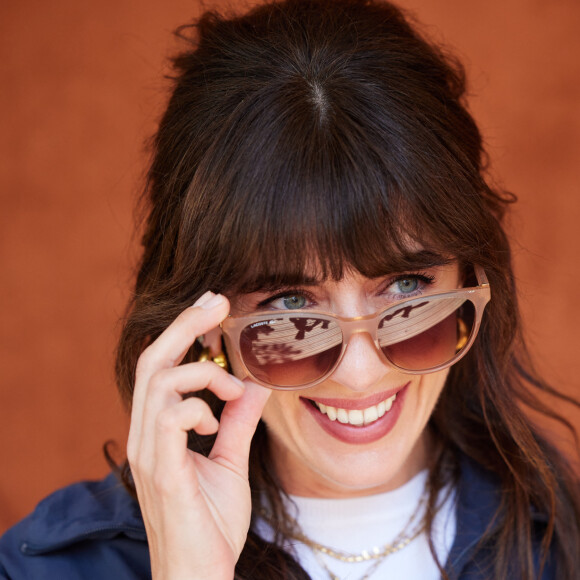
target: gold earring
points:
(462, 335)
(220, 359)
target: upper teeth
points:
(357, 416)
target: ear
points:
(213, 341)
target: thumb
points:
(237, 427)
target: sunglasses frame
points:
(479, 295)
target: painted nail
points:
(203, 299)
(215, 301)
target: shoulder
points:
(478, 505)
(89, 530)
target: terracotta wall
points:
(81, 83)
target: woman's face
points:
(317, 456)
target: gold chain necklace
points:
(403, 539)
(375, 554)
(409, 533)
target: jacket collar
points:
(87, 510)
(477, 511)
(477, 504)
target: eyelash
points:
(423, 277)
(285, 293)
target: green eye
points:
(408, 285)
(294, 302)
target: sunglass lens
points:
(291, 351)
(426, 332)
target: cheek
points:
(277, 409)
(430, 389)
(282, 415)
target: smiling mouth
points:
(356, 417)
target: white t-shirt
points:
(361, 523)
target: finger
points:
(173, 465)
(172, 345)
(238, 424)
(168, 386)
(170, 348)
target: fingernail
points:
(215, 301)
(238, 381)
(203, 299)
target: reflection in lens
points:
(291, 351)
(424, 333)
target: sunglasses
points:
(299, 349)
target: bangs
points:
(295, 188)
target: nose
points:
(361, 366)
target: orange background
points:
(81, 85)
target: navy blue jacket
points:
(94, 531)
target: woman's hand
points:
(196, 509)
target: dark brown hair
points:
(333, 129)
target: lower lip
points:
(363, 434)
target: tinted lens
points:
(291, 351)
(426, 332)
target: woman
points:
(317, 194)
